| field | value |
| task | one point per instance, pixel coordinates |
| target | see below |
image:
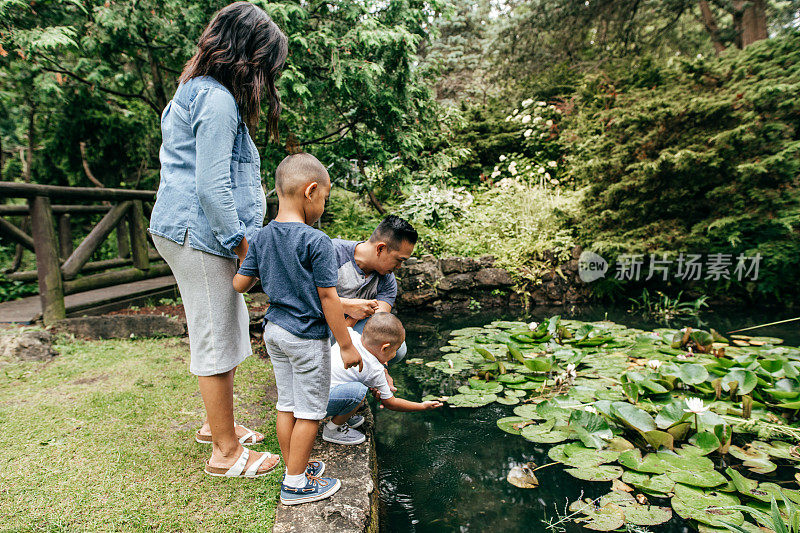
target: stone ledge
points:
(122, 326)
(354, 508)
(453, 283)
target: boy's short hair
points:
(393, 230)
(383, 327)
(298, 170)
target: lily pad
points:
(706, 507)
(577, 455)
(471, 400)
(708, 478)
(508, 400)
(757, 461)
(513, 424)
(606, 518)
(660, 485)
(596, 473)
(546, 433)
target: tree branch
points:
(61, 70)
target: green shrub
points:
(706, 159)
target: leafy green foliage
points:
(706, 160)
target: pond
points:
(445, 470)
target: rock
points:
(427, 268)
(457, 282)
(486, 260)
(576, 252)
(27, 345)
(493, 277)
(123, 326)
(354, 508)
(451, 265)
(416, 298)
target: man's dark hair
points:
(393, 230)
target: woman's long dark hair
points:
(243, 49)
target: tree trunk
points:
(710, 24)
(158, 80)
(749, 21)
(754, 22)
(371, 195)
(27, 172)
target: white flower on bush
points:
(536, 120)
(526, 119)
(541, 170)
(528, 133)
(547, 175)
(552, 164)
(515, 112)
(495, 173)
(508, 118)
(541, 104)
(502, 158)
(549, 123)
(432, 205)
(527, 103)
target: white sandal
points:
(238, 468)
(249, 439)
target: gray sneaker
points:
(355, 421)
(343, 435)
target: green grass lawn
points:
(102, 439)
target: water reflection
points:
(445, 470)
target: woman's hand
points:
(241, 249)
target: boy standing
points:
(297, 267)
(383, 335)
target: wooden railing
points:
(58, 265)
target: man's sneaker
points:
(343, 435)
(355, 421)
(317, 488)
(315, 468)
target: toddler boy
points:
(297, 267)
(383, 335)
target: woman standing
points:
(209, 201)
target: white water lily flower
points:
(503, 158)
(590, 409)
(528, 133)
(527, 103)
(533, 325)
(552, 164)
(571, 371)
(450, 363)
(655, 364)
(526, 119)
(695, 405)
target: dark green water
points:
(445, 470)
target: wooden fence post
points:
(138, 232)
(65, 235)
(123, 243)
(51, 285)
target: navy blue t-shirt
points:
(292, 259)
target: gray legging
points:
(401, 351)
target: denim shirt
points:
(210, 171)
